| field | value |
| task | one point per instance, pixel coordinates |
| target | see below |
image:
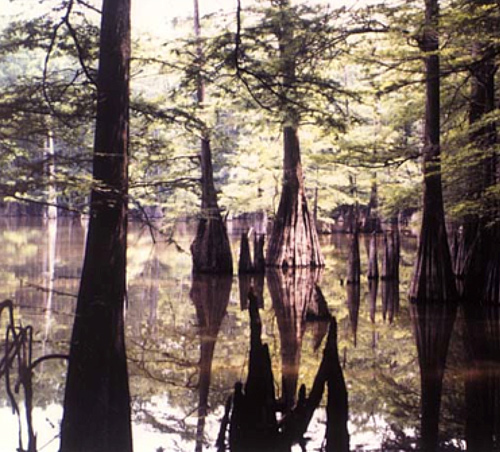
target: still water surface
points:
(188, 340)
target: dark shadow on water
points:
(433, 325)
(255, 419)
(482, 378)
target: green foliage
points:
(351, 76)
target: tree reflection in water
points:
(433, 325)
(170, 374)
(295, 296)
(210, 295)
(482, 377)
(251, 413)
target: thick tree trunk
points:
(433, 279)
(475, 263)
(390, 258)
(97, 401)
(390, 299)
(294, 239)
(259, 261)
(211, 250)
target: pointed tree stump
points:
(373, 258)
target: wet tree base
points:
(210, 250)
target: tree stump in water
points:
(354, 261)
(211, 251)
(251, 412)
(245, 264)
(373, 258)
(390, 260)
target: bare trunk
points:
(390, 261)
(211, 250)
(245, 264)
(433, 279)
(373, 258)
(51, 176)
(353, 303)
(97, 400)
(354, 261)
(390, 299)
(294, 239)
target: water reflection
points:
(433, 325)
(251, 413)
(180, 378)
(294, 295)
(482, 378)
(210, 295)
(372, 298)
(390, 299)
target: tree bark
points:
(245, 264)
(390, 261)
(97, 400)
(373, 258)
(433, 279)
(210, 250)
(353, 303)
(294, 239)
(475, 261)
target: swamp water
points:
(188, 342)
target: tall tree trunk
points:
(51, 175)
(294, 239)
(211, 250)
(97, 400)
(477, 240)
(433, 279)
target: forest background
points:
(368, 137)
